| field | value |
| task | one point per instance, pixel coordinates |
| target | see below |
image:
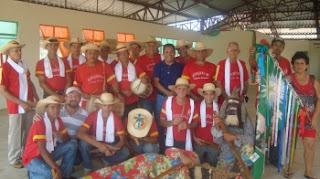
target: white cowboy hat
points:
(182, 43)
(181, 82)
(41, 105)
(200, 46)
(75, 40)
(153, 40)
(11, 44)
(140, 44)
(209, 87)
(120, 48)
(139, 122)
(89, 47)
(50, 40)
(105, 99)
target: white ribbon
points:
(81, 60)
(227, 76)
(48, 68)
(131, 71)
(50, 142)
(203, 112)
(109, 128)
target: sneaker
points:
(17, 165)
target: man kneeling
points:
(47, 142)
(102, 132)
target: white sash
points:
(227, 76)
(81, 60)
(109, 128)
(48, 68)
(169, 137)
(203, 112)
(22, 69)
(50, 142)
(131, 71)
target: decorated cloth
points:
(146, 166)
(308, 97)
(147, 65)
(8, 78)
(58, 81)
(38, 133)
(180, 59)
(199, 74)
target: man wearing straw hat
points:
(135, 48)
(93, 77)
(205, 147)
(125, 73)
(47, 142)
(54, 73)
(103, 132)
(182, 46)
(147, 62)
(200, 71)
(19, 91)
(179, 115)
(75, 58)
(105, 49)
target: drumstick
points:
(212, 145)
(136, 141)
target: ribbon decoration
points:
(301, 119)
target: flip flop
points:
(309, 177)
(288, 175)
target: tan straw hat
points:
(140, 44)
(50, 40)
(41, 105)
(182, 43)
(181, 82)
(209, 87)
(11, 44)
(105, 43)
(139, 122)
(89, 47)
(75, 40)
(120, 48)
(153, 40)
(200, 46)
(105, 99)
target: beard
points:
(73, 104)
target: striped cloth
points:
(73, 123)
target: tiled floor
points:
(7, 172)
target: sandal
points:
(288, 175)
(309, 177)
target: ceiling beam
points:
(316, 16)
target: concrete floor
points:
(7, 172)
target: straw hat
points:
(11, 44)
(89, 47)
(182, 43)
(41, 105)
(181, 82)
(139, 122)
(200, 46)
(120, 48)
(105, 43)
(75, 40)
(140, 44)
(153, 40)
(50, 40)
(209, 87)
(105, 99)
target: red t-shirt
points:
(9, 78)
(199, 74)
(190, 60)
(75, 64)
(153, 132)
(176, 113)
(147, 64)
(285, 66)
(90, 78)
(56, 83)
(90, 124)
(38, 133)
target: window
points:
(123, 37)
(59, 32)
(8, 32)
(166, 41)
(93, 36)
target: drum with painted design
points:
(141, 89)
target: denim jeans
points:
(148, 105)
(85, 149)
(145, 147)
(159, 104)
(207, 154)
(39, 169)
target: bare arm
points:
(195, 97)
(165, 123)
(223, 91)
(252, 60)
(317, 109)
(115, 87)
(161, 88)
(44, 85)
(4, 92)
(69, 82)
(121, 142)
(152, 140)
(35, 95)
(48, 158)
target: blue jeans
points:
(39, 169)
(159, 104)
(207, 154)
(145, 147)
(148, 104)
(85, 149)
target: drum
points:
(140, 89)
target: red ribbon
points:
(302, 118)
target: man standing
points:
(182, 47)
(19, 91)
(232, 73)
(200, 71)
(103, 130)
(54, 73)
(105, 50)
(135, 48)
(147, 62)
(75, 58)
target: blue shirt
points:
(167, 74)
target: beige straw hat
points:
(200, 46)
(40, 107)
(75, 40)
(209, 87)
(50, 40)
(181, 82)
(140, 44)
(182, 43)
(120, 48)
(139, 122)
(105, 99)
(153, 40)
(89, 47)
(11, 44)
